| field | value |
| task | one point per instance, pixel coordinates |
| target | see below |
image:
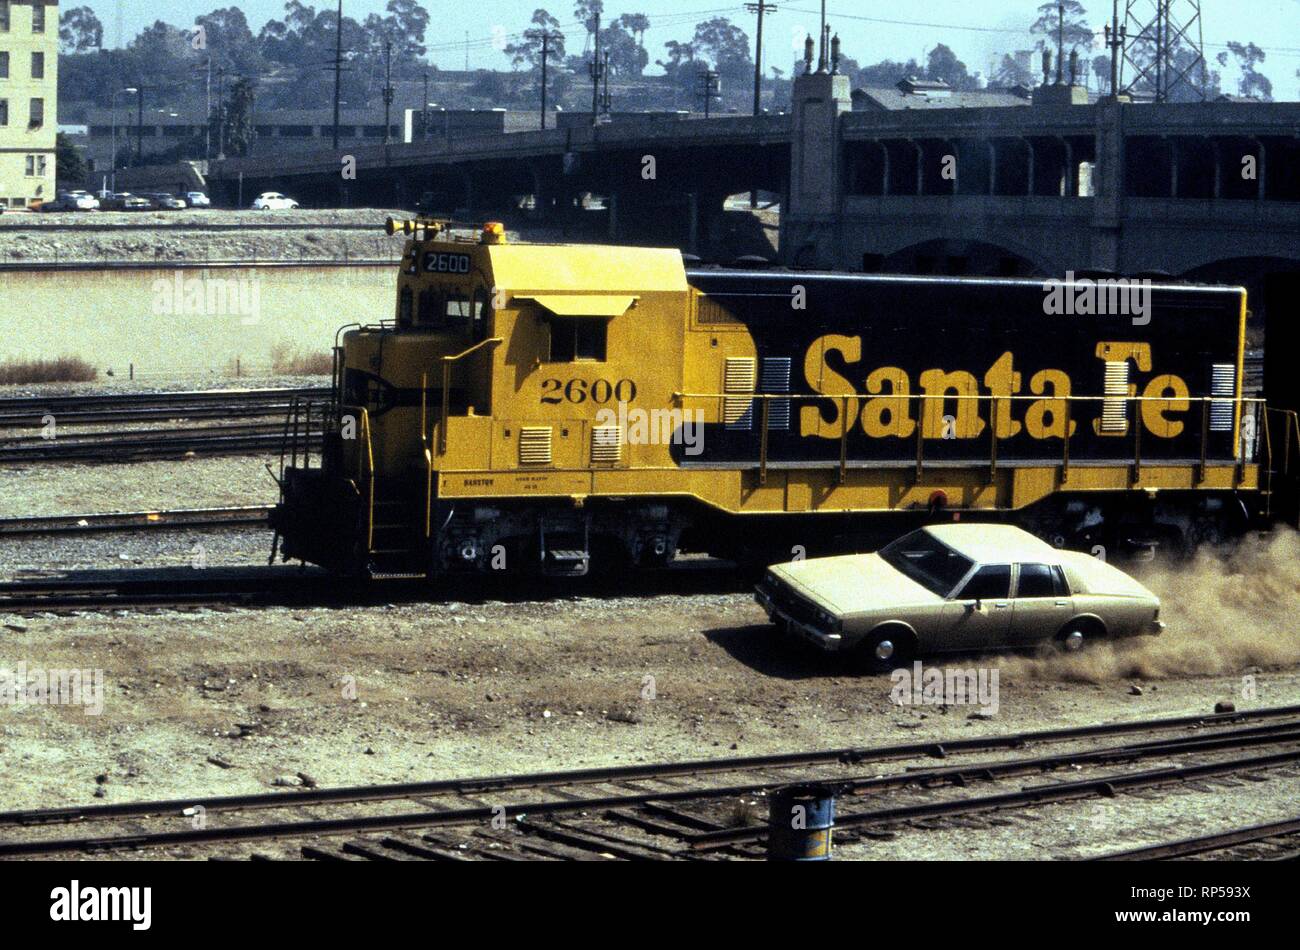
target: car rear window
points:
(1036, 580)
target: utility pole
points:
(594, 68)
(388, 91)
(139, 125)
(604, 99)
(1116, 34)
(338, 70)
(207, 126)
(221, 113)
(424, 110)
(759, 9)
(546, 51)
(821, 34)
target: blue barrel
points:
(801, 819)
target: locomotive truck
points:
(556, 407)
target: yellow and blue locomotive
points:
(553, 407)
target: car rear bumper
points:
(1155, 628)
(823, 639)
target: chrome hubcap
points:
(1073, 641)
(884, 649)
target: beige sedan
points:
(956, 588)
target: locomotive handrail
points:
(1240, 403)
(366, 467)
(447, 362)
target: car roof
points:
(994, 543)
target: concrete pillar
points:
(993, 167)
(885, 149)
(1108, 187)
(920, 166)
(1029, 156)
(816, 165)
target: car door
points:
(978, 617)
(1042, 604)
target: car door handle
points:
(1062, 603)
(1001, 605)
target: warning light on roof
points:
(494, 232)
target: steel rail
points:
(696, 842)
(1107, 786)
(1202, 844)
(92, 523)
(196, 397)
(1269, 732)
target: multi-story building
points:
(29, 67)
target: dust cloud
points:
(1226, 611)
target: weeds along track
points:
(91, 428)
(692, 810)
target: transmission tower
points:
(1165, 48)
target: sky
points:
(977, 30)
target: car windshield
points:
(926, 560)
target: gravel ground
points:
(457, 688)
(31, 238)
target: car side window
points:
(1036, 580)
(1059, 586)
(991, 582)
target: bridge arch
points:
(958, 258)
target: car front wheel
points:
(885, 648)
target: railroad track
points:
(1273, 841)
(101, 522)
(180, 587)
(693, 810)
(128, 445)
(76, 418)
(100, 408)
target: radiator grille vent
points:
(1114, 408)
(776, 379)
(535, 445)
(1223, 382)
(606, 445)
(739, 376)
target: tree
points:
(70, 167)
(887, 72)
(1077, 33)
(626, 57)
(725, 46)
(80, 30)
(236, 119)
(228, 40)
(588, 13)
(1252, 82)
(529, 50)
(636, 24)
(943, 65)
(1014, 70)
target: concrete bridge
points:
(1207, 191)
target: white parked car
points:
(956, 587)
(197, 199)
(273, 201)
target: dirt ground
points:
(223, 701)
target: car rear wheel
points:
(1077, 636)
(885, 648)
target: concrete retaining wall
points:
(186, 321)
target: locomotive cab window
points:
(404, 307)
(577, 339)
